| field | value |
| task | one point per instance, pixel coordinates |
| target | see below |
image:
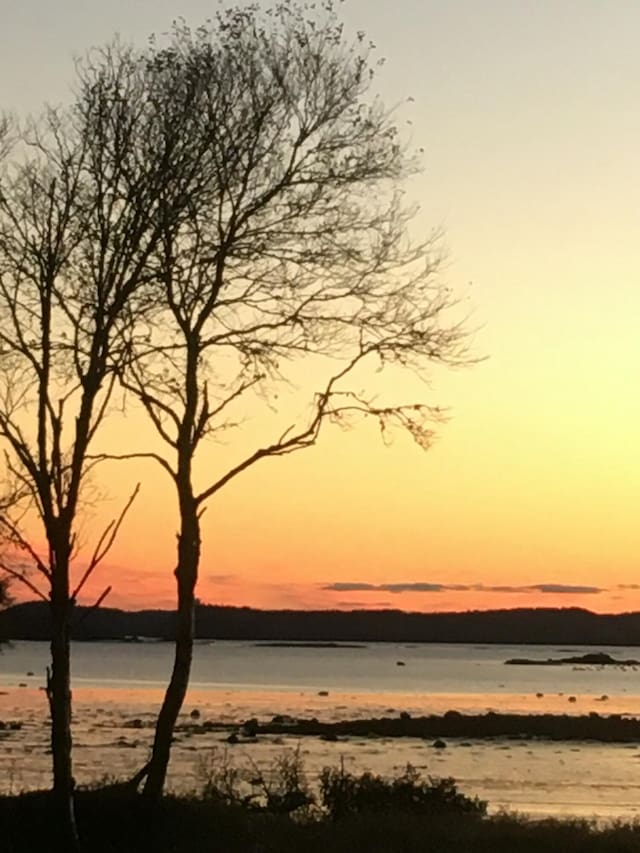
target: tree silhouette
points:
(295, 252)
(86, 194)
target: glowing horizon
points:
(530, 125)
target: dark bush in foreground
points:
(345, 794)
(244, 810)
(279, 789)
(283, 789)
(119, 823)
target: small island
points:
(276, 644)
(591, 659)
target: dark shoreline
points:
(273, 644)
(115, 818)
(561, 627)
(594, 659)
(612, 728)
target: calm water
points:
(428, 669)
(117, 684)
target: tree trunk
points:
(186, 576)
(59, 694)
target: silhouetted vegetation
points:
(5, 601)
(283, 789)
(362, 814)
(82, 190)
(295, 251)
(344, 794)
(561, 626)
(207, 213)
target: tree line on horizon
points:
(530, 626)
(206, 214)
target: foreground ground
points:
(113, 820)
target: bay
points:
(118, 687)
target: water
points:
(117, 683)
(429, 669)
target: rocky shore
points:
(593, 659)
(612, 728)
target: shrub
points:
(281, 788)
(343, 794)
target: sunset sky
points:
(529, 114)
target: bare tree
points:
(86, 194)
(295, 252)
(5, 597)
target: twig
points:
(20, 577)
(88, 612)
(105, 543)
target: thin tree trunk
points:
(59, 694)
(186, 576)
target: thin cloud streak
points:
(398, 588)
(222, 579)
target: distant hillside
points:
(570, 627)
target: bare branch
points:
(290, 440)
(15, 537)
(292, 250)
(105, 543)
(123, 457)
(19, 576)
(90, 610)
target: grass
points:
(349, 814)
(110, 823)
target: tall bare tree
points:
(86, 196)
(296, 252)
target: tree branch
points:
(23, 579)
(105, 542)
(123, 457)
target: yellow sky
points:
(529, 116)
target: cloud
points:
(222, 578)
(628, 586)
(349, 586)
(567, 589)
(414, 587)
(398, 588)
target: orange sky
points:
(529, 117)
